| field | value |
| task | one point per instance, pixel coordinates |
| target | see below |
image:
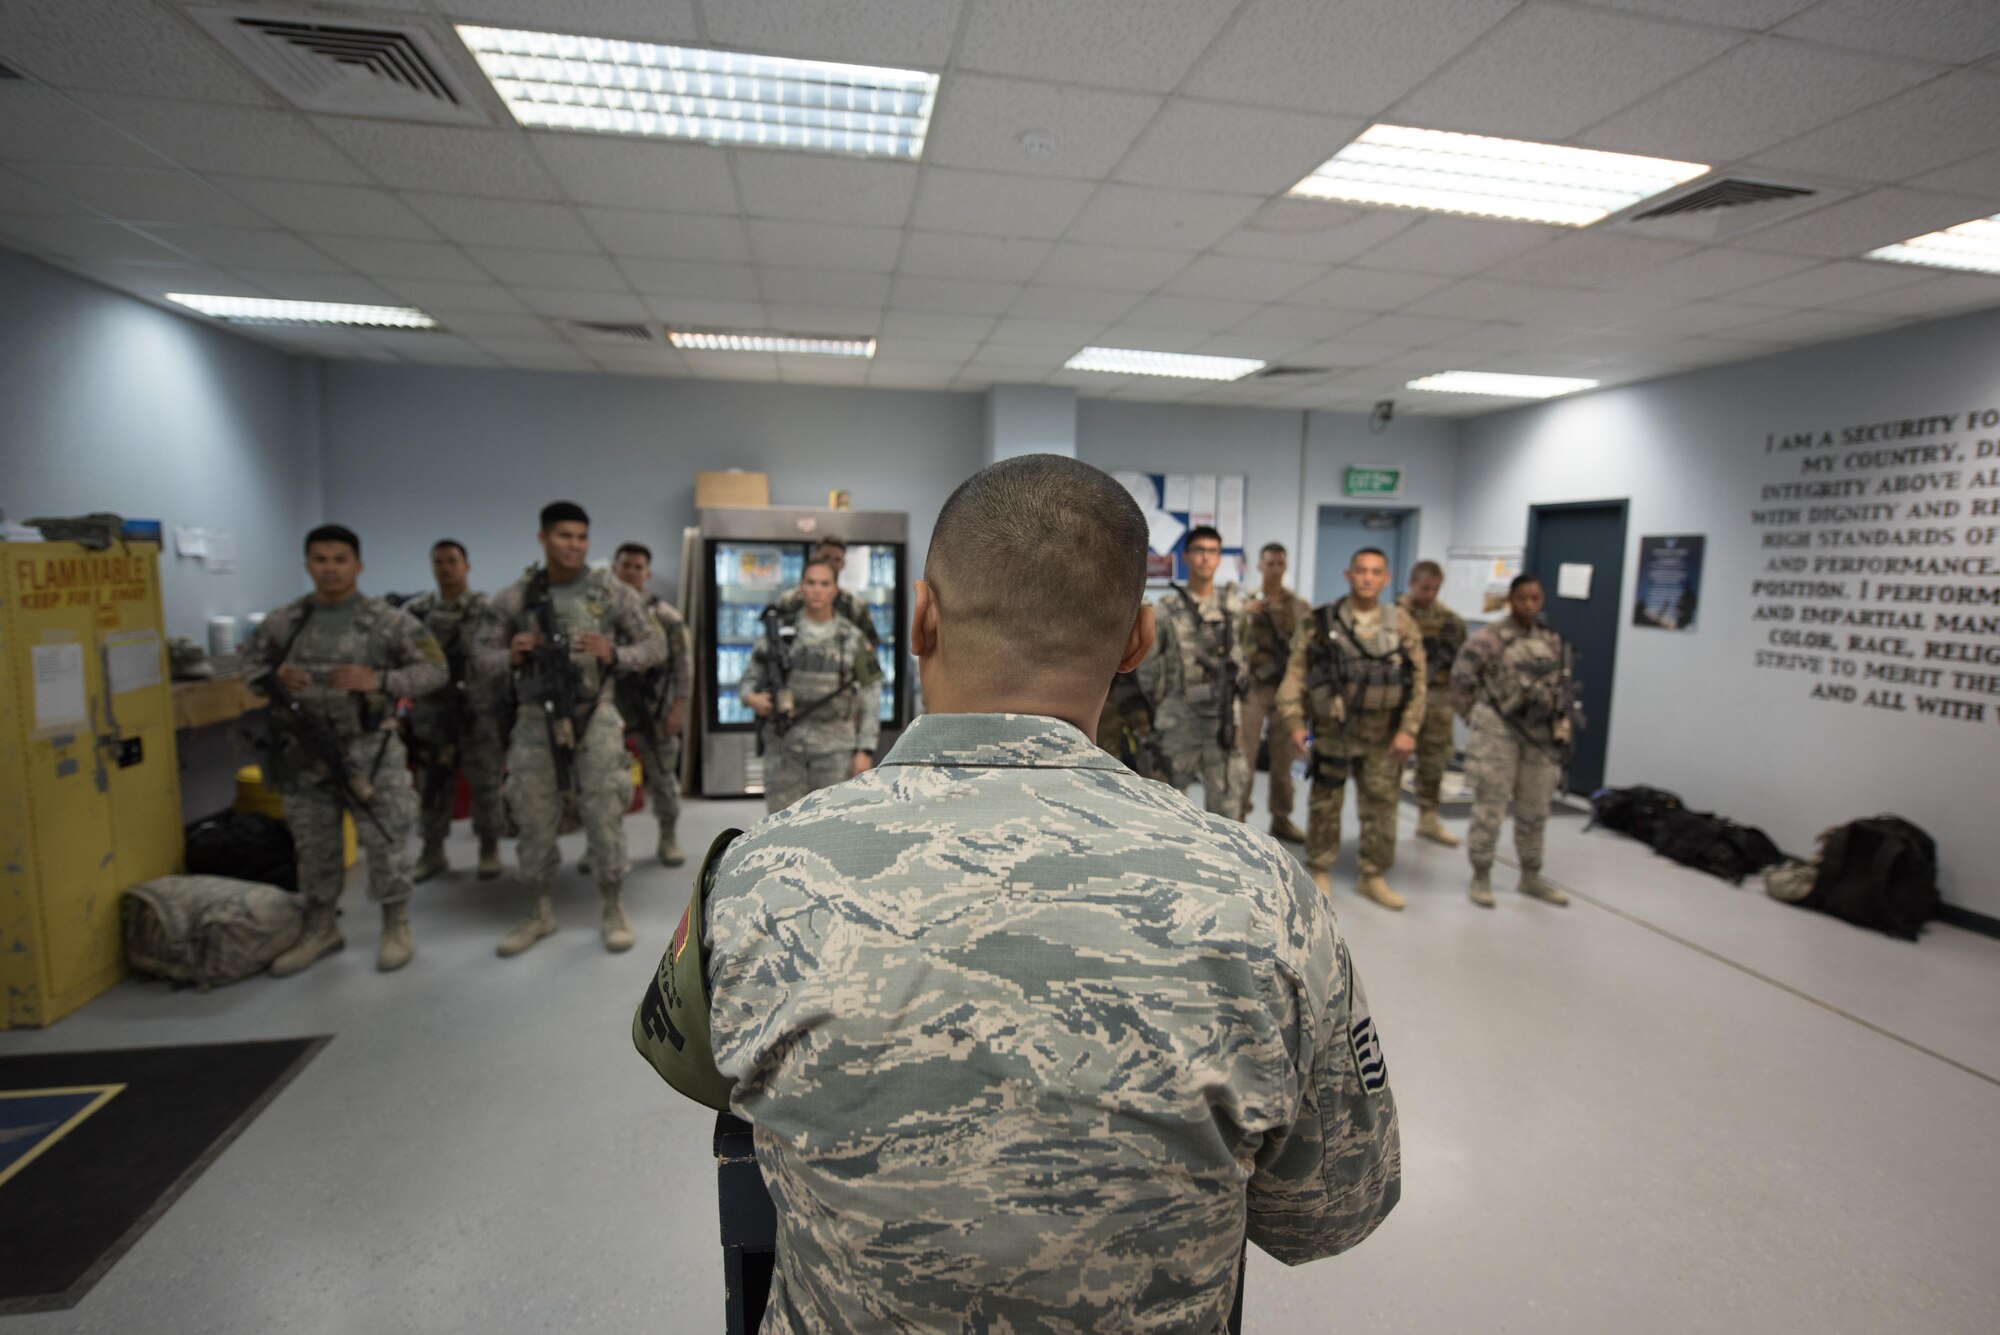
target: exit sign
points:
(1374, 480)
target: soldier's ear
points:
(1140, 642)
(923, 621)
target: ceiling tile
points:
(1299, 322)
(247, 141)
(948, 296)
(1974, 176)
(670, 236)
(1242, 279)
(993, 205)
(1942, 295)
(1547, 73)
(1482, 299)
(928, 324)
(343, 210)
(1065, 335)
(1257, 349)
(1206, 314)
(146, 196)
(826, 190)
(909, 375)
(90, 240)
(1134, 215)
(19, 195)
(1409, 330)
(857, 321)
(1369, 289)
(980, 122)
(696, 313)
(1355, 58)
(537, 356)
(1593, 310)
(1753, 15)
(548, 268)
(379, 256)
(634, 173)
(1864, 222)
(498, 164)
(1105, 44)
(822, 287)
(152, 278)
(824, 246)
(1925, 128)
(40, 126)
(1456, 245)
(1026, 358)
(1275, 232)
(1717, 271)
(291, 286)
(954, 255)
(476, 324)
(924, 350)
(1250, 150)
(1042, 301)
(611, 307)
(1586, 259)
(649, 20)
(1762, 93)
(1701, 317)
(239, 247)
(1831, 284)
(687, 278)
(1120, 267)
(120, 46)
(494, 222)
(1954, 32)
(914, 33)
(1339, 352)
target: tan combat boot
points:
(430, 862)
(1282, 828)
(617, 932)
(1431, 828)
(670, 847)
(540, 922)
(1372, 886)
(489, 859)
(320, 937)
(396, 947)
(1324, 880)
(1482, 887)
(1534, 887)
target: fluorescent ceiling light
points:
(1501, 386)
(260, 310)
(811, 345)
(1974, 245)
(1131, 361)
(556, 82)
(1400, 167)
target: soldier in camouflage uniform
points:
(654, 703)
(1196, 678)
(1444, 635)
(833, 551)
(1358, 670)
(814, 682)
(608, 631)
(344, 659)
(1125, 729)
(1510, 684)
(1028, 1043)
(1275, 614)
(457, 728)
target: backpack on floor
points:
(207, 930)
(245, 845)
(1714, 844)
(1635, 811)
(1881, 873)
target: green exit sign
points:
(1374, 480)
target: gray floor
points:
(1675, 1106)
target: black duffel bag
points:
(1714, 844)
(245, 846)
(1880, 872)
(1636, 811)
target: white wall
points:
(1692, 712)
(1426, 448)
(107, 403)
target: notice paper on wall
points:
(1573, 581)
(1174, 491)
(132, 660)
(1229, 509)
(190, 541)
(59, 695)
(221, 558)
(1201, 499)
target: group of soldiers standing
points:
(1356, 687)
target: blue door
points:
(1591, 534)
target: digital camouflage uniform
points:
(1506, 682)
(792, 602)
(1029, 1043)
(1443, 631)
(458, 728)
(1353, 723)
(644, 701)
(1193, 706)
(370, 633)
(595, 602)
(1270, 651)
(816, 748)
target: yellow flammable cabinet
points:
(90, 797)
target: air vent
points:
(1722, 207)
(1273, 372)
(590, 331)
(352, 68)
(1727, 194)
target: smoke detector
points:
(347, 66)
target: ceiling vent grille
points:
(352, 68)
(1274, 372)
(1724, 194)
(592, 331)
(1715, 210)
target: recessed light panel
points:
(1397, 166)
(555, 82)
(811, 345)
(1132, 361)
(1974, 245)
(260, 310)
(1501, 386)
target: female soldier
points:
(812, 680)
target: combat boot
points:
(540, 922)
(617, 932)
(1324, 880)
(670, 848)
(396, 947)
(489, 859)
(1482, 887)
(430, 862)
(320, 937)
(1374, 887)
(1534, 887)
(1282, 828)
(1431, 828)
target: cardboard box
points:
(734, 487)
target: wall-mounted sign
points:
(1669, 582)
(1378, 481)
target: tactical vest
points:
(1525, 685)
(348, 713)
(1365, 677)
(1444, 636)
(1270, 643)
(1210, 679)
(591, 614)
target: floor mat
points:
(95, 1146)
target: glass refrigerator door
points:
(744, 577)
(874, 574)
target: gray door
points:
(1345, 530)
(1590, 534)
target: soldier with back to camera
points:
(1027, 1042)
(456, 729)
(1443, 631)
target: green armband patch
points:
(670, 1028)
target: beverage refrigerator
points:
(742, 559)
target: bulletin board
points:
(1476, 579)
(1173, 503)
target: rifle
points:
(1565, 719)
(355, 792)
(779, 633)
(553, 683)
(1222, 670)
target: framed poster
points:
(1173, 503)
(1669, 582)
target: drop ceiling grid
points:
(1157, 219)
